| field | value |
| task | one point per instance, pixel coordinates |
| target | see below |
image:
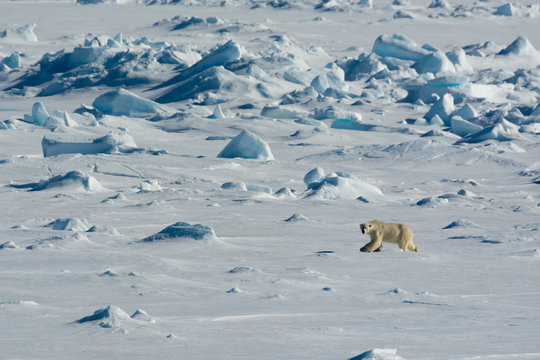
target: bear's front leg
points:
(373, 246)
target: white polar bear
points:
(389, 232)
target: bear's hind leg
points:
(412, 247)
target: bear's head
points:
(369, 227)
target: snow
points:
(443, 108)
(315, 175)
(248, 146)
(398, 46)
(39, 113)
(23, 33)
(183, 231)
(463, 127)
(434, 63)
(76, 180)
(519, 47)
(378, 354)
(123, 102)
(185, 179)
(70, 224)
(339, 186)
(113, 142)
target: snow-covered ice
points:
(209, 162)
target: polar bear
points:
(389, 232)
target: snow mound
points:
(206, 82)
(240, 186)
(378, 354)
(225, 54)
(501, 131)
(436, 62)
(443, 108)
(334, 113)
(466, 112)
(75, 180)
(285, 193)
(278, 112)
(439, 4)
(142, 315)
(454, 84)
(234, 185)
(194, 21)
(8, 245)
(365, 65)
(243, 270)
(333, 77)
(296, 218)
(70, 224)
(109, 315)
(181, 231)
(463, 127)
(39, 114)
(123, 102)
(398, 46)
(150, 186)
(519, 47)
(113, 317)
(350, 124)
(114, 142)
(458, 57)
(460, 223)
(416, 149)
(104, 61)
(248, 146)
(103, 229)
(24, 33)
(342, 186)
(19, 302)
(401, 14)
(41, 117)
(218, 113)
(517, 10)
(11, 62)
(315, 175)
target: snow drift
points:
(248, 146)
(206, 74)
(398, 46)
(76, 180)
(114, 142)
(24, 33)
(378, 354)
(103, 61)
(70, 224)
(182, 231)
(124, 102)
(113, 317)
(339, 186)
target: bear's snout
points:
(363, 228)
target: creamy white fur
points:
(389, 232)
